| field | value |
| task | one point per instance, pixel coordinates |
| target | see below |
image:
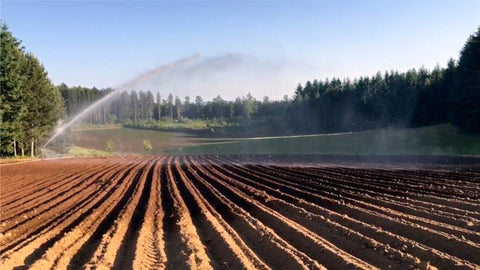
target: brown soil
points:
(239, 212)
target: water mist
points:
(126, 86)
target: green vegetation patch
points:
(168, 124)
(129, 140)
(86, 152)
(442, 140)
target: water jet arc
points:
(126, 86)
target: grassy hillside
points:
(442, 139)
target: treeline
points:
(30, 105)
(132, 107)
(414, 98)
(410, 99)
(392, 99)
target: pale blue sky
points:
(107, 42)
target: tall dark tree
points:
(250, 105)
(170, 105)
(198, 107)
(466, 113)
(43, 103)
(134, 103)
(126, 107)
(299, 95)
(30, 105)
(178, 108)
(142, 104)
(159, 106)
(12, 80)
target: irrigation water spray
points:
(126, 86)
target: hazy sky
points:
(106, 43)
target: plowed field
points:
(204, 212)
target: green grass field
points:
(129, 140)
(439, 140)
(86, 152)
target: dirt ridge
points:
(238, 212)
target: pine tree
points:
(159, 106)
(198, 107)
(466, 112)
(178, 108)
(298, 96)
(43, 103)
(149, 106)
(134, 104)
(12, 80)
(170, 105)
(30, 105)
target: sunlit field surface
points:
(237, 212)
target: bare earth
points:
(204, 212)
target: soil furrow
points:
(62, 252)
(273, 250)
(47, 238)
(342, 197)
(196, 250)
(247, 257)
(175, 247)
(221, 254)
(378, 203)
(150, 247)
(86, 251)
(126, 253)
(241, 212)
(390, 245)
(355, 212)
(327, 253)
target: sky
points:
(262, 47)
